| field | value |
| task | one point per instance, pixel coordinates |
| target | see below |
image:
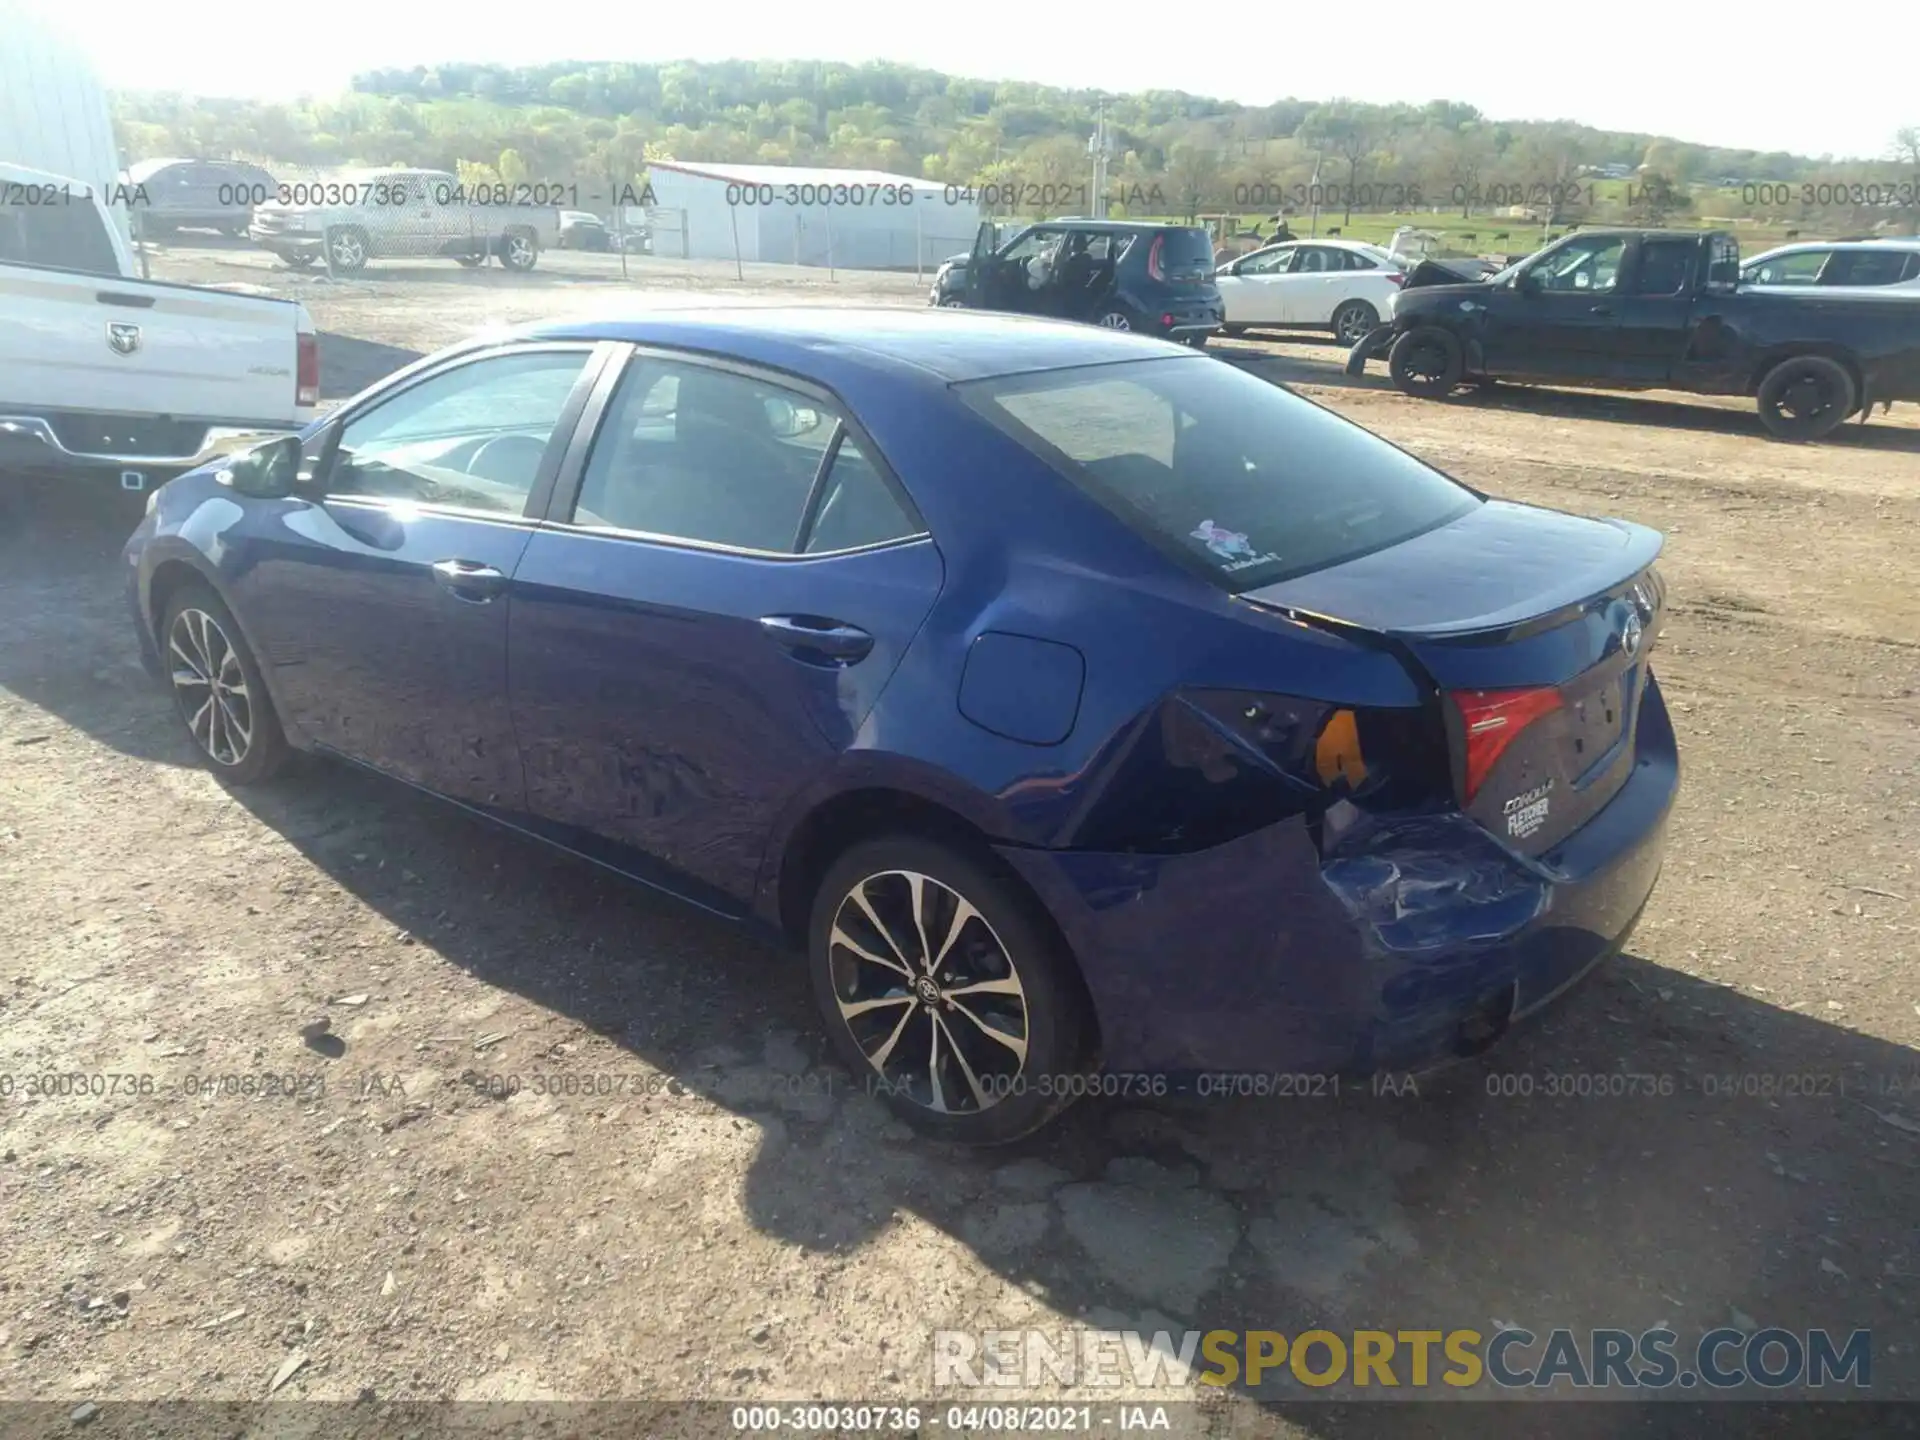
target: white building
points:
(804, 215)
(53, 111)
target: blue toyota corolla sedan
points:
(1081, 706)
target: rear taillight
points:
(1398, 279)
(1156, 268)
(1493, 720)
(306, 385)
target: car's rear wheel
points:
(1352, 321)
(953, 302)
(1114, 320)
(471, 262)
(1233, 331)
(518, 250)
(944, 992)
(299, 262)
(347, 249)
(1426, 362)
(217, 689)
(1807, 397)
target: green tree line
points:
(604, 122)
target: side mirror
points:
(267, 472)
(789, 420)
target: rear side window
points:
(1181, 255)
(1665, 266)
(70, 235)
(1865, 267)
(1238, 478)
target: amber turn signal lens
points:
(1336, 755)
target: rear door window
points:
(69, 236)
(1239, 479)
(1864, 267)
(1665, 266)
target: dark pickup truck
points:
(1653, 310)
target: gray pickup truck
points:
(405, 214)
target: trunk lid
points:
(1534, 629)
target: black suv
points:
(1122, 274)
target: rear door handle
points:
(838, 643)
(1601, 310)
(468, 580)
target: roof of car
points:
(1896, 242)
(943, 346)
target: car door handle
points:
(1600, 310)
(841, 644)
(466, 580)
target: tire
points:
(519, 251)
(298, 262)
(953, 302)
(1001, 942)
(1233, 331)
(1426, 362)
(470, 262)
(347, 249)
(1352, 321)
(1806, 397)
(1114, 320)
(239, 738)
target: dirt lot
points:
(760, 1230)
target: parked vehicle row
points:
(1660, 309)
(1201, 764)
(104, 375)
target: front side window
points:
(693, 453)
(470, 438)
(1236, 476)
(1582, 265)
(1267, 262)
(1801, 267)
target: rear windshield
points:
(1185, 253)
(1238, 478)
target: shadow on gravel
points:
(348, 366)
(1708, 1160)
(1619, 408)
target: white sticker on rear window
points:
(1230, 547)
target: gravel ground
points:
(758, 1229)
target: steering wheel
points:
(518, 456)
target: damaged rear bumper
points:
(1396, 946)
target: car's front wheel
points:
(944, 992)
(1114, 320)
(217, 689)
(1427, 362)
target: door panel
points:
(1656, 312)
(1568, 325)
(380, 604)
(672, 689)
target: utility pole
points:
(1313, 193)
(1100, 147)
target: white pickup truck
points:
(104, 374)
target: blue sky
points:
(1711, 73)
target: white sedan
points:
(1344, 286)
(1840, 267)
